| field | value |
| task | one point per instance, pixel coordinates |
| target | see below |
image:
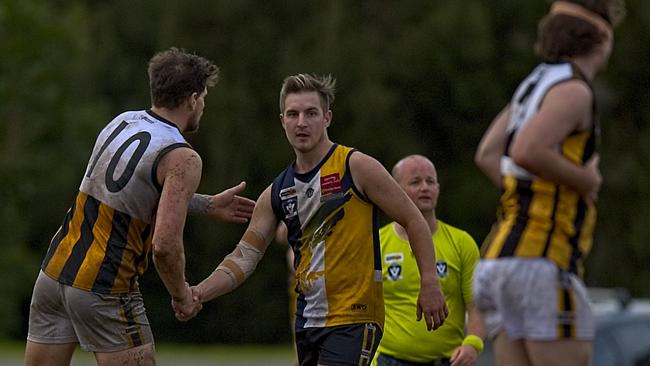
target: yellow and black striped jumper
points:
(539, 218)
(105, 240)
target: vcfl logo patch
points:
(441, 268)
(395, 272)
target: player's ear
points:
(193, 100)
(328, 118)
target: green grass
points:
(11, 353)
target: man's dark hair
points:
(561, 36)
(175, 74)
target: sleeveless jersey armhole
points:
(163, 152)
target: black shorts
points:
(351, 344)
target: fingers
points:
(185, 314)
(237, 189)
(433, 318)
(245, 205)
(464, 356)
(188, 307)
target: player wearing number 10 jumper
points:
(133, 199)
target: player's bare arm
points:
(467, 353)
(492, 146)
(226, 206)
(375, 182)
(240, 264)
(179, 172)
(566, 108)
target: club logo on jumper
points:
(310, 192)
(441, 268)
(330, 184)
(395, 272)
(289, 207)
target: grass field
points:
(11, 354)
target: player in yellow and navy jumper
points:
(329, 199)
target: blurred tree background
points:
(413, 77)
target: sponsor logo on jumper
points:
(394, 257)
(359, 307)
(288, 193)
(330, 184)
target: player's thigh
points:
(138, 356)
(561, 352)
(37, 354)
(49, 320)
(509, 352)
(106, 323)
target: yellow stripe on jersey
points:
(98, 248)
(542, 219)
(95, 255)
(64, 247)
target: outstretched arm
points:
(240, 264)
(377, 184)
(226, 206)
(179, 172)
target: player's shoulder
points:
(454, 232)
(181, 158)
(386, 229)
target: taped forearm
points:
(235, 268)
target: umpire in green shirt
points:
(406, 341)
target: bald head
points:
(409, 162)
(418, 178)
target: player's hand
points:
(591, 195)
(431, 303)
(229, 207)
(187, 306)
(464, 355)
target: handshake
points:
(187, 306)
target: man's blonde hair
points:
(323, 85)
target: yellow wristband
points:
(474, 341)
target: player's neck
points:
(307, 160)
(174, 116)
(587, 66)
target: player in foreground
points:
(329, 199)
(541, 150)
(134, 197)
